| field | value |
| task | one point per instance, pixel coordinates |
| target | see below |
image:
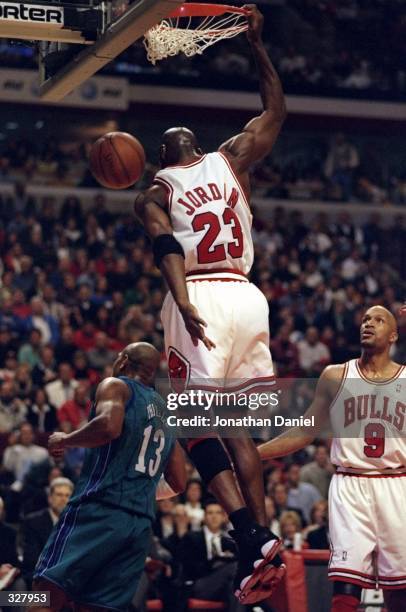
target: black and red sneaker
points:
(260, 568)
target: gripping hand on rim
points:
(255, 23)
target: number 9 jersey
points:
(367, 494)
(368, 418)
(210, 214)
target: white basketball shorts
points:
(367, 530)
(236, 313)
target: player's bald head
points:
(139, 359)
(141, 353)
(179, 136)
(176, 143)
(389, 317)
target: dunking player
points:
(366, 401)
(198, 217)
(96, 552)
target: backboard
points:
(76, 38)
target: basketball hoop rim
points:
(182, 32)
(198, 9)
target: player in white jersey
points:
(198, 217)
(366, 402)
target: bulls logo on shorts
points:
(179, 370)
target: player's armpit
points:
(298, 437)
(175, 472)
(255, 141)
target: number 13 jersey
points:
(368, 418)
(210, 214)
(125, 472)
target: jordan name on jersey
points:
(210, 214)
(196, 197)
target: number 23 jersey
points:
(210, 214)
(368, 418)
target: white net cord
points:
(168, 38)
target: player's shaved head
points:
(140, 353)
(179, 136)
(139, 360)
(389, 316)
(178, 144)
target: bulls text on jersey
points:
(363, 407)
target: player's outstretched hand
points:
(56, 444)
(195, 326)
(255, 22)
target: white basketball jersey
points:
(210, 214)
(369, 422)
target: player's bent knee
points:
(209, 457)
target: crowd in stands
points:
(345, 48)
(335, 171)
(77, 286)
(320, 47)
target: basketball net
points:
(192, 29)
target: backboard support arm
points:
(131, 26)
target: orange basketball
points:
(117, 160)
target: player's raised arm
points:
(259, 135)
(111, 397)
(169, 257)
(298, 437)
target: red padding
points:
(314, 555)
(155, 604)
(203, 604)
(344, 603)
(291, 594)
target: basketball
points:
(117, 160)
